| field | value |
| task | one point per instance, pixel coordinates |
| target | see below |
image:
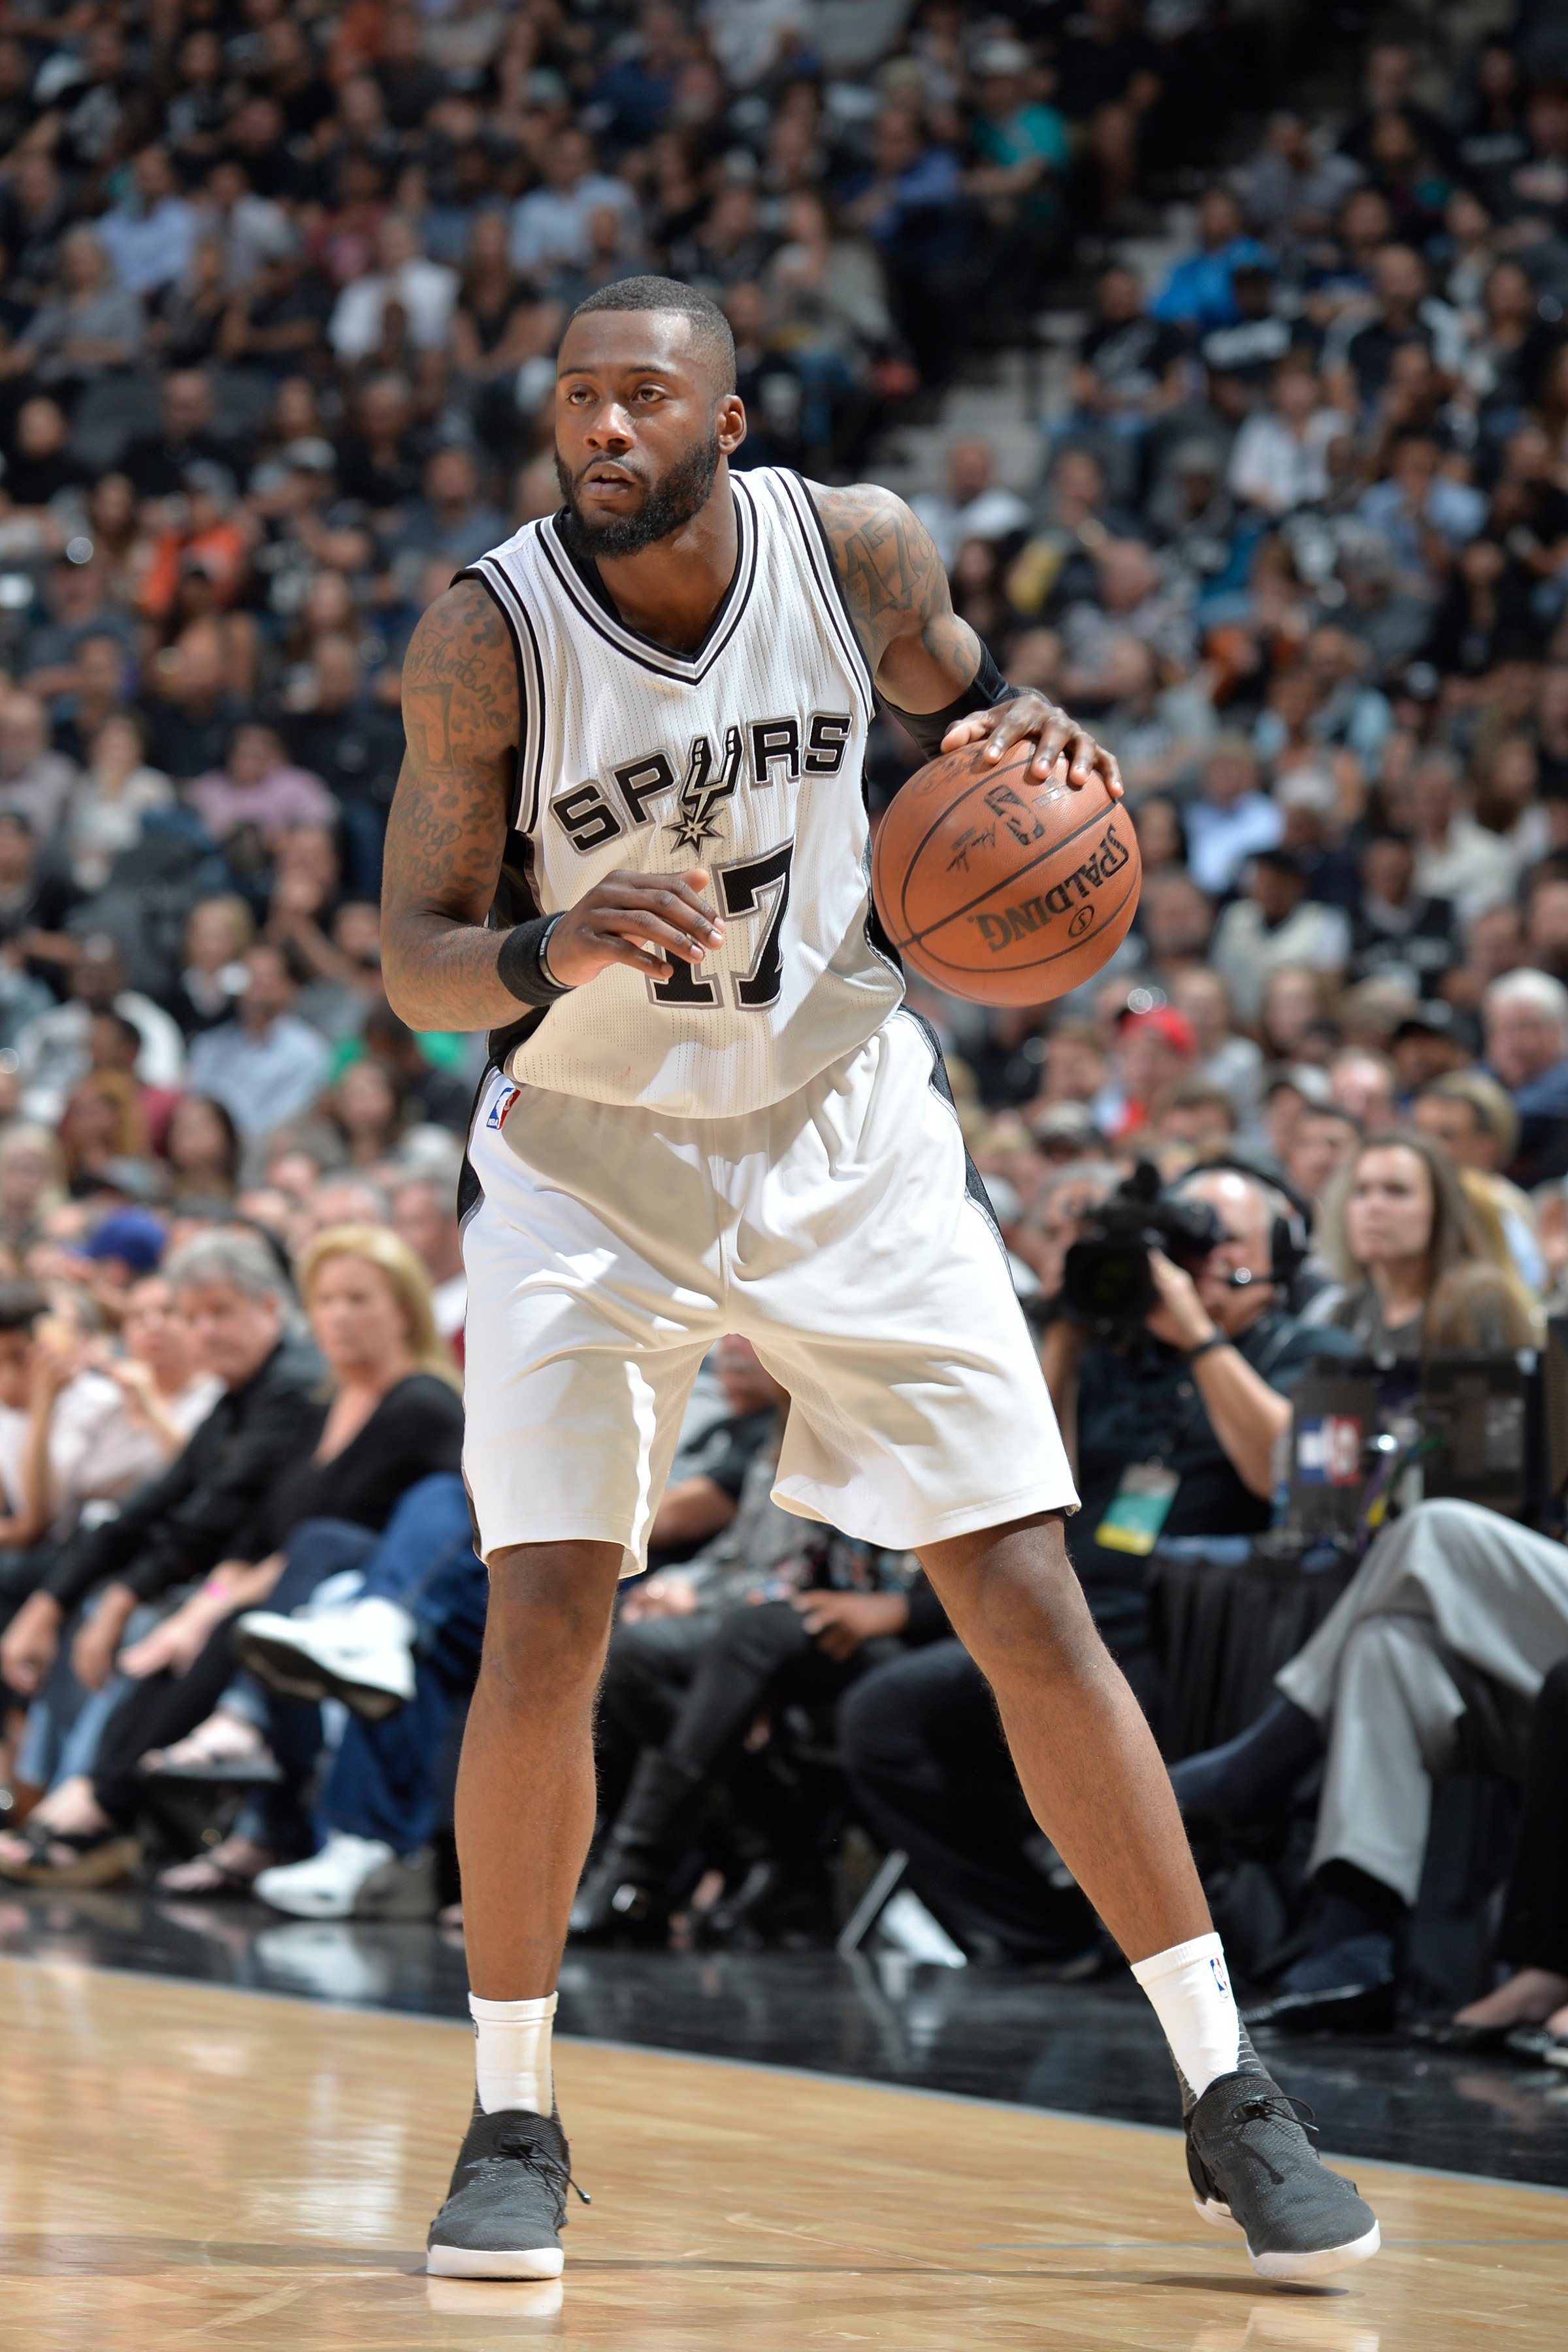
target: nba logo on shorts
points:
(502, 1105)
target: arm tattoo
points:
(920, 653)
(447, 831)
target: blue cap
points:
(134, 1234)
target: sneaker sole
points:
(284, 1670)
(472, 2263)
(1294, 2268)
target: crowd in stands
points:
(281, 291)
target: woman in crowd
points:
(365, 1110)
(102, 1122)
(391, 1415)
(118, 791)
(202, 1148)
(1405, 1243)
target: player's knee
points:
(1026, 1613)
(549, 1617)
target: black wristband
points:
(520, 967)
(985, 689)
(1215, 1340)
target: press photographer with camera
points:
(1169, 1360)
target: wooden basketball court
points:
(182, 2165)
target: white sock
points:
(1190, 1988)
(511, 2053)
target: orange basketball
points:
(1002, 890)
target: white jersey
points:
(744, 757)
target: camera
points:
(1107, 1283)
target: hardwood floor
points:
(181, 2165)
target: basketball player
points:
(629, 839)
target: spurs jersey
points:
(744, 757)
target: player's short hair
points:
(709, 327)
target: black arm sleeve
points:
(985, 689)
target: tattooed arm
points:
(920, 655)
(446, 833)
(448, 828)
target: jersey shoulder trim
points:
(825, 572)
(495, 577)
(686, 669)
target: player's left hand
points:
(1033, 716)
(839, 1622)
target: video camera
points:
(1107, 1283)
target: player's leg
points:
(1097, 1786)
(1094, 1778)
(525, 1799)
(573, 1397)
(524, 1815)
(878, 1292)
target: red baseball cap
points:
(1174, 1027)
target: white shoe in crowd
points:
(354, 1878)
(361, 1654)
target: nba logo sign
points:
(502, 1105)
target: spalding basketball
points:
(1000, 889)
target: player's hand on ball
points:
(641, 920)
(1053, 732)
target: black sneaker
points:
(507, 2206)
(1253, 2168)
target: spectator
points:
(1275, 928)
(1526, 2013)
(388, 1423)
(265, 1064)
(1198, 292)
(53, 1051)
(200, 1145)
(424, 293)
(176, 1527)
(1405, 1244)
(1456, 858)
(1468, 1115)
(88, 329)
(257, 786)
(150, 235)
(1279, 458)
(1526, 1049)
(550, 225)
(973, 505)
(1454, 1615)
(1232, 820)
(1396, 932)
(34, 781)
(115, 792)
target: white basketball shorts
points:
(835, 1230)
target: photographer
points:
(1171, 1379)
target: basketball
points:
(1002, 890)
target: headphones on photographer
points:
(1289, 1232)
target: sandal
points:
(95, 1858)
(225, 1749)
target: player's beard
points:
(670, 503)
